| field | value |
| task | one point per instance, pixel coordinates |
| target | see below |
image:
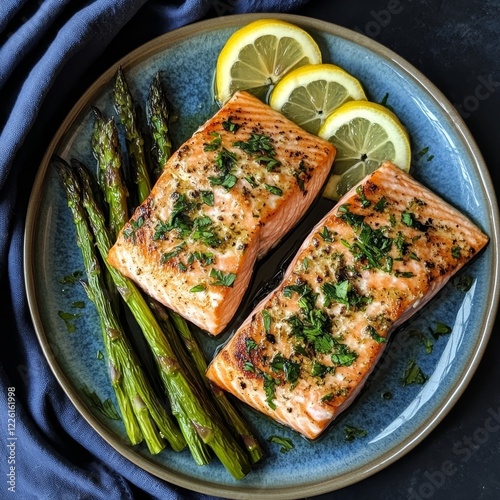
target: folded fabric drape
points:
(48, 48)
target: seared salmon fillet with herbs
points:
(379, 255)
(226, 196)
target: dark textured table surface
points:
(456, 44)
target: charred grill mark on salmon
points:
(228, 195)
(384, 250)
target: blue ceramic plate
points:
(395, 417)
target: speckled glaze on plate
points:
(395, 418)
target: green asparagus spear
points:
(231, 416)
(111, 289)
(142, 413)
(107, 152)
(197, 447)
(125, 108)
(179, 388)
(158, 119)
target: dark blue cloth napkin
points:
(48, 50)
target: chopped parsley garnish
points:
(268, 161)
(307, 298)
(384, 102)
(106, 407)
(78, 304)
(404, 274)
(250, 344)
(230, 126)
(305, 264)
(380, 205)
(204, 231)
(290, 368)
(269, 388)
(313, 326)
(199, 228)
(251, 180)
(421, 153)
(266, 319)
(261, 147)
(207, 197)
(226, 180)
(285, 443)
(440, 329)
(413, 374)
(225, 163)
(365, 203)
(344, 356)
(374, 335)
(351, 433)
(257, 143)
(300, 349)
(321, 340)
(135, 224)
(401, 244)
(198, 288)
(72, 278)
(170, 255)
(222, 279)
(373, 247)
(320, 370)
(313, 330)
(354, 220)
(409, 219)
(178, 220)
(248, 367)
(463, 282)
(326, 234)
(274, 189)
(424, 339)
(215, 143)
(68, 319)
(344, 293)
(456, 252)
(161, 229)
(301, 175)
(204, 258)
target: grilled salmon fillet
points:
(226, 196)
(378, 256)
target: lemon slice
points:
(256, 56)
(307, 95)
(365, 134)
